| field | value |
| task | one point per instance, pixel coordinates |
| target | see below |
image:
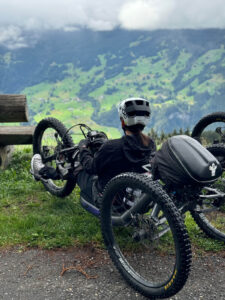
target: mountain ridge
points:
(181, 72)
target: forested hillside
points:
(81, 75)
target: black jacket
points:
(126, 154)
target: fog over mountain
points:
(22, 22)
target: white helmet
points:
(134, 111)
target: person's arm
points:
(92, 164)
(87, 161)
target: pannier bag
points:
(182, 161)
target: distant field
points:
(183, 81)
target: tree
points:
(187, 132)
(181, 131)
(153, 134)
(174, 132)
(162, 136)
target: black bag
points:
(182, 161)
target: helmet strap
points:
(122, 123)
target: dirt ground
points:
(89, 274)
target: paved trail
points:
(42, 275)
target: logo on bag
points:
(213, 168)
(147, 168)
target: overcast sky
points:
(36, 15)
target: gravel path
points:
(36, 274)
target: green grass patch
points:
(30, 216)
(199, 240)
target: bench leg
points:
(5, 156)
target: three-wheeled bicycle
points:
(141, 218)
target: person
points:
(126, 154)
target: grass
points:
(199, 240)
(32, 217)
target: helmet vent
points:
(138, 113)
(139, 102)
(129, 103)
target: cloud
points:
(19, 16)
(12, 37)
(56, 14)
(142, 14)
(172, 14)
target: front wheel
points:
(148, 243)
(209, 213)
(49, 135)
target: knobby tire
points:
(55, 124)
(205, 121)
(206, 225)
(182, 244)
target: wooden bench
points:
(13, 108)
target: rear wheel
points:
(49, 135)
(150, 248)
(210, 129)
(209, 214)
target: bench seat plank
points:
(16, 135)
(13, 108)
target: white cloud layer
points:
(12, 38)
(38, 15)
(172, 14)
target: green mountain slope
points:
(81, 76)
